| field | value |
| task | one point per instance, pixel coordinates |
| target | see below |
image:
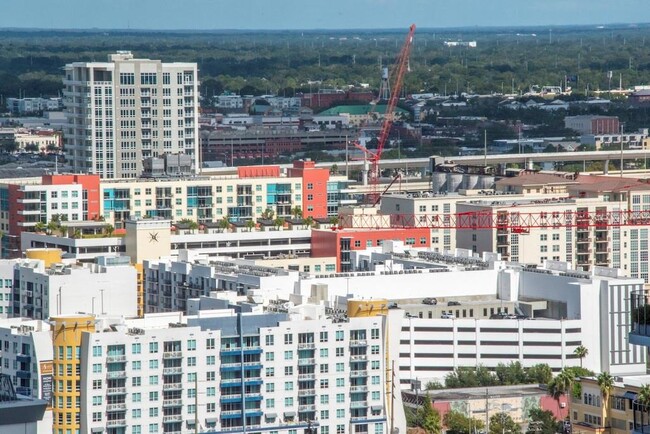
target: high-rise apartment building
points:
(125, 110)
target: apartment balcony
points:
(303, 377)
(230, 381)
(359, 404)
(358, 343)
(172, 386)
(307, 346)
(639, 333)
(305, 408)
(307, 392)
(115, 423)
(116, 391)
(118, 358)
(359, 358)
(253, 380)
(358, 389)
(173, 355)
(359, 373)
(173, 418)
(116, 407)
(306, 362)
(231, 414)
(23, 358)
(116, 375)
(172, 403)
(235, 397)
(23, 375)
(173, 370)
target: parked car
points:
(430, 300)
(453, 303)
(447, 316)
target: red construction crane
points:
(513, 221)
(399, 69)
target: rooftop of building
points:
(357, 110)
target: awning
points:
(211, 419)
(271, 415)
(629, 395)
(97, 429)
(377, 407)
(289, 414)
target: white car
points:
(448, 316)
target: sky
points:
(314, 14)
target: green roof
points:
(358, 110)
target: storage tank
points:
(454, 181)
(438, 182)
(470, 182)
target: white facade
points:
(63, 289)
(124, 110)
(26, 356)
(33, 105)
(294, 374)
(6, 287)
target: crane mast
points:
(399, 69)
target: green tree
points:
(109, 229)
(502, 422)
(296, 212)
(192, 224)
(434, 385)
(334, 170)
(643, 399)
(40, 227)
(459, 423)
(334, 220)
(428, 417)
(31, 147)
(308, 221)
(512, 373)
(9, 147)
(606, 385)
(268, 214)
(250, 225)
(543, 422)
(581, 352)
(77, 234)
(224, 224)
(278, 223)
(540, 374)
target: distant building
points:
(640, 98)
(593, 124)
(125, 110)
(469, 44)
(24, 106)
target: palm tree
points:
(334, 220)
(563, 385)
(250, 224)
(278, 223)
(224, 224)
(40, 227)
(109, 229)
(308, 221)
(268, 214)
(643, 398)
(296, 212)
(581, 352)
(606, 384)
(553, 390)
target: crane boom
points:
(514, 221)
(400, 68)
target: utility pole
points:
(392, 398)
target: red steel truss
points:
(515, 221)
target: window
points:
(153, 380)
(324, 383)
(191, 345)
(269, 340)
(324, 399)
(288, 386)
(340, 352)
(270, 387)
(153, 347)
(288, 371)
(209, 344)
(136, 381)
(340, 382)
(543, 237)
(324, 352)
(270, 372)
(288, 355)
(153, 412)
(270, 357)
(288, 401)
(270, 403)
(323, 336)
(340, 335)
